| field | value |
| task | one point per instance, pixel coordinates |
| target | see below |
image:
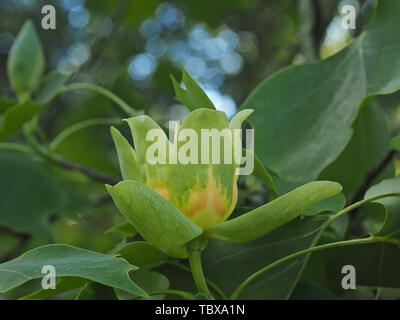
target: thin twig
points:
(371, 175)
(94, 175)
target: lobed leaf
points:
(69, 262)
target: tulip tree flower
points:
(177, 203)
(200, 194)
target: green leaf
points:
(63, 285)
(142, 254)
(68, 262)
(304, 113)
(28, 194)
(127, 157)
(261, 173)
(368, 146)
(88, 146)
(307, 291)
(125, 228)
(386, 215)
(331, 204)
(192, 96)
(96, 291)
(157, 220)
(228, 264)
(395, 143)
(25, 62)
(50, 86)
(376, 264)
(15, 116)
(151, 281)
(6, 103)
(272, 215)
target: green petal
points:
(190, 180)
(140, 127)
(157, 220)
(237, 120)
(272, 215)
(127, 158)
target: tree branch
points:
(371, 175)
(94, 175)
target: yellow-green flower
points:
(205, 193)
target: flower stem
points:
(212, 285)
(194, 253)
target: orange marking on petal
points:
(163, 191)
(219, 203)
(197, 201)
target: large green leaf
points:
(272, 215)
(28, 194)
(157, 220)
(385, 216)
(125, 228)
(376, 264)
(303, 114)
(228, 264)
(331, 204)
(262, 173)
(63, 285)
(142, 254)
(151, 281)
(367, 147)
(69, 262)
